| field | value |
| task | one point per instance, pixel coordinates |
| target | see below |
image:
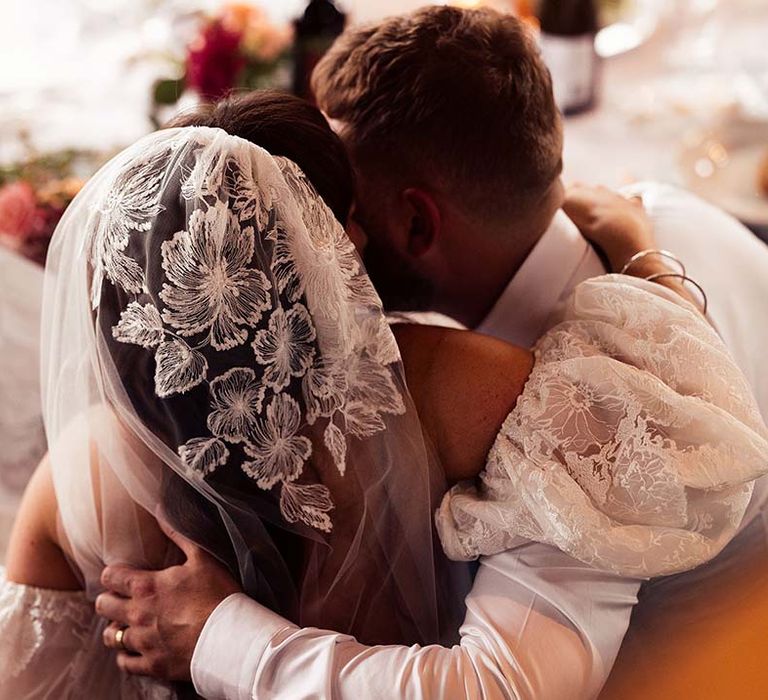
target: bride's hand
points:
(617, 225)
(620, 227)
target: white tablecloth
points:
(706, 62)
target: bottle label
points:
(572, 63)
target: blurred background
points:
(668, 90)
(681, 86)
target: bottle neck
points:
(568, 18)
(321, 18)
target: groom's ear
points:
(425, 221)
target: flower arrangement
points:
(33, 196)
(238, 47)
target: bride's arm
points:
(73, 504)
(34, 556)
(46, 620)
(464, 385)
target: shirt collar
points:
(560, 260)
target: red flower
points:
(214, 61)
(19, 216)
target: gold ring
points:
(120, 638)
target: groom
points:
(449, 118)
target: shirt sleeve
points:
(539, 624)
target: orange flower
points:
(59, 193)
(265, 42)
(237, 16)
(261, 40)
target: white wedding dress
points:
(633, 447)
(50, 649)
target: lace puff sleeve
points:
(633, 447)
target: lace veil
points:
(214, 351)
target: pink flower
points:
(214, 61)
(19, 216)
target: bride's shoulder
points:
(464, 385)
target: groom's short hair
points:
(461, 97)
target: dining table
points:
(668, 106)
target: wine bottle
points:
(567, 40)
(315, 31)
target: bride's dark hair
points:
(309, 476)
(269, 560)
(285, 126)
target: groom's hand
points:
(163, 612)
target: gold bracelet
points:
(685, 278)
(637, 257)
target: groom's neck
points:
(485, 277)
(488, 257)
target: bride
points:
(215, 356)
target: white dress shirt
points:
(539, 624)
(560, 260)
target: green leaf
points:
(168, 91)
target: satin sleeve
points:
(533, 630)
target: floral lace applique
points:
(632, 448)
(211, 285)
(131, 204)
(320, 346)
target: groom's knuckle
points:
(140, 619)
(130, 584)
(134, 617)
(141, 586)
(156, 666)
(143, 618)
(100, 603)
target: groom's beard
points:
(400, 287)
